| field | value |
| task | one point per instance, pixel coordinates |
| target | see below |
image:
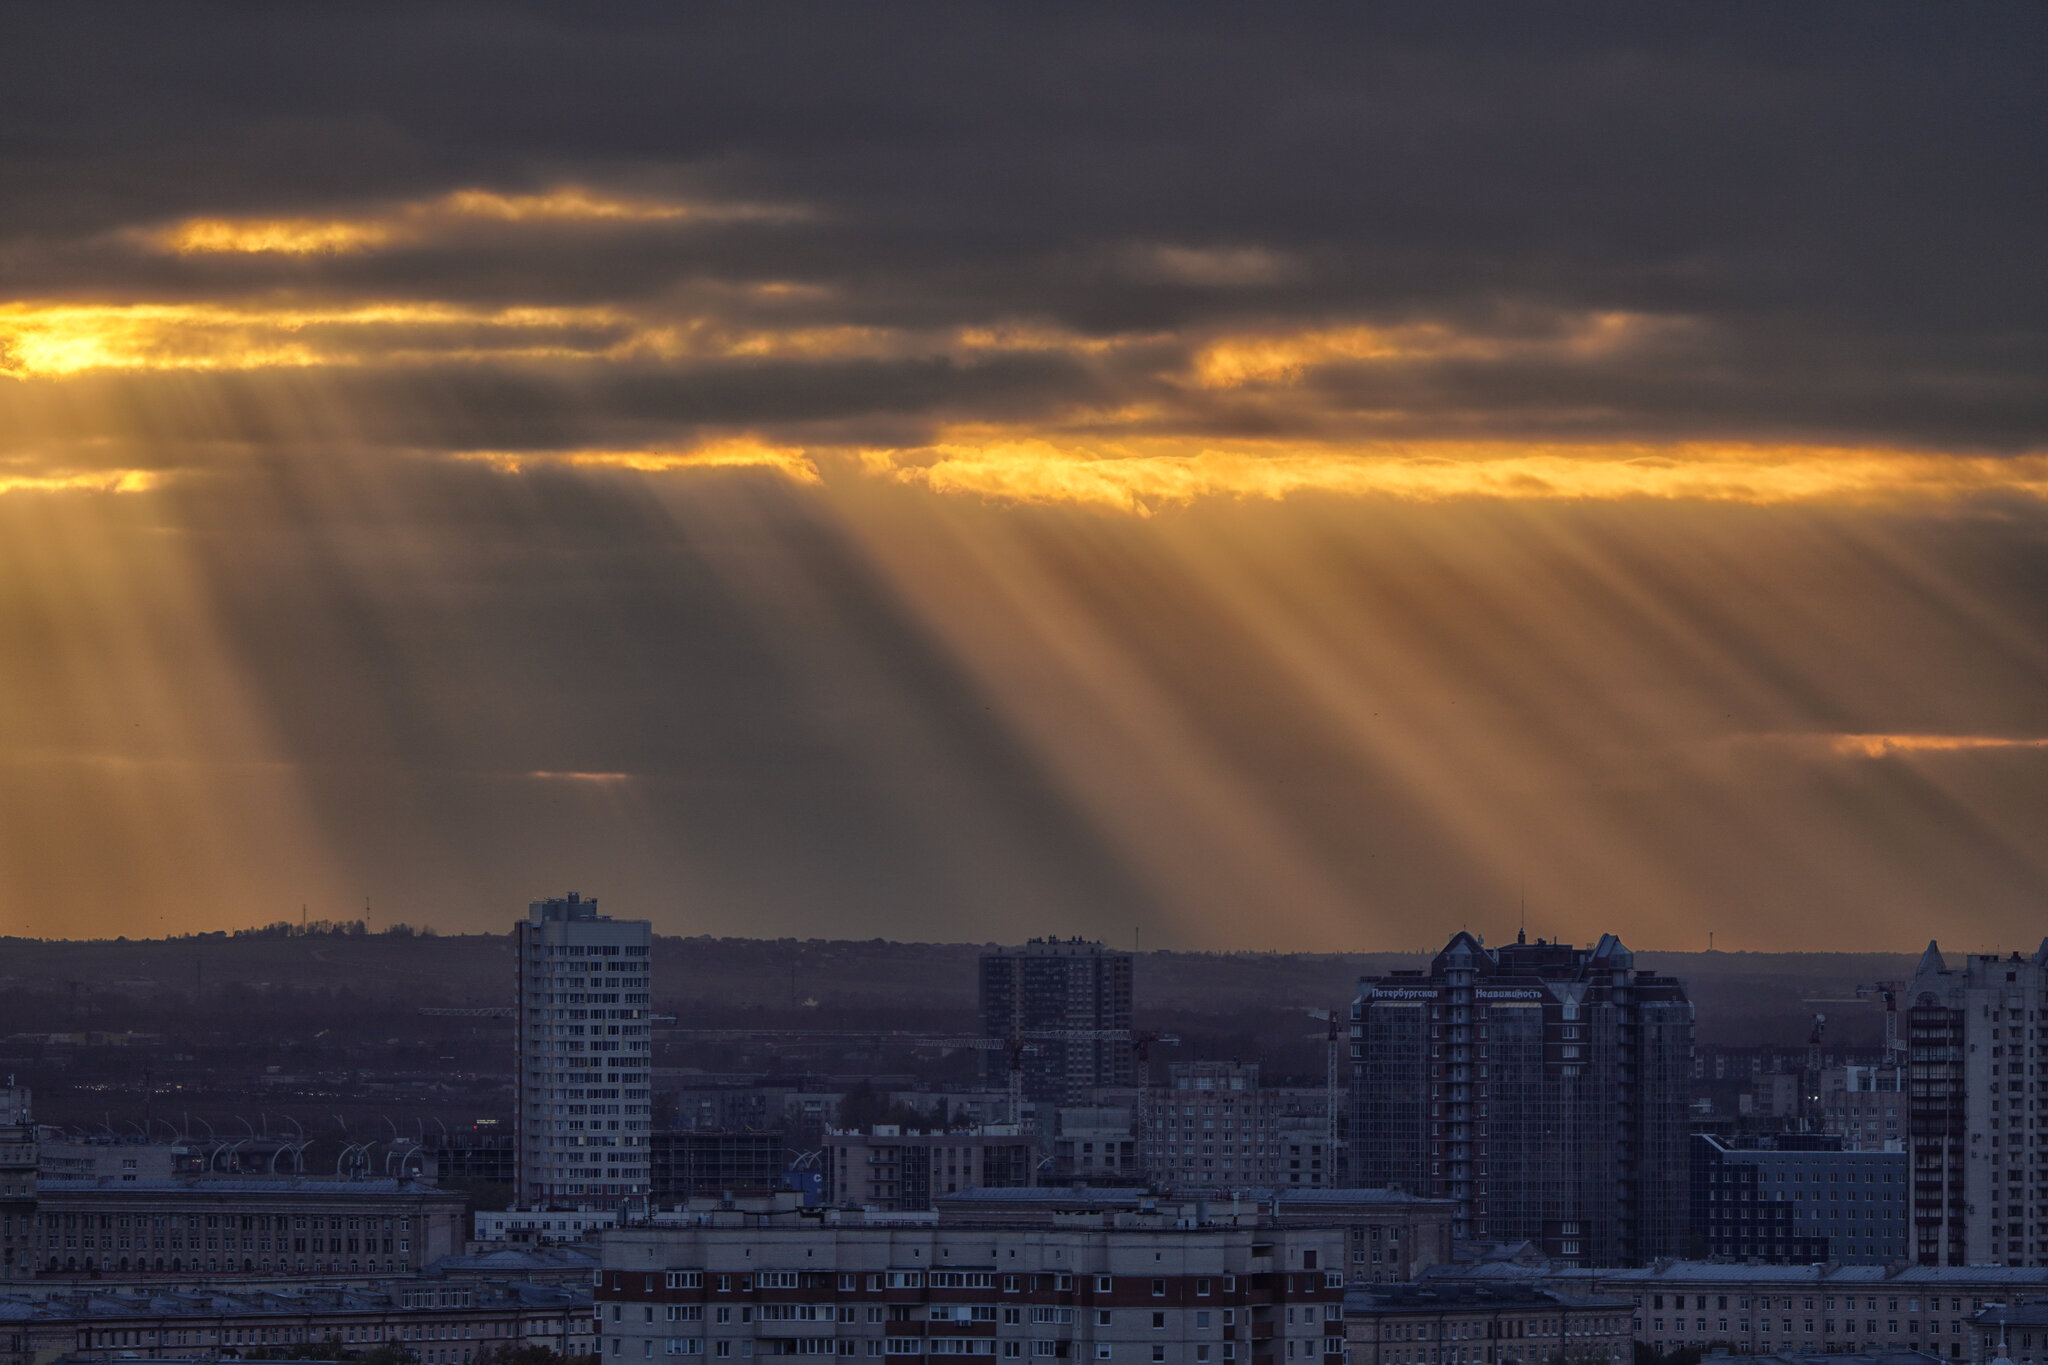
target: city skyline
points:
(1309, 482)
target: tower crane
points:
(1335, 1019)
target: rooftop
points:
(114, 1304)
(1366, 1300)
(285, 1184)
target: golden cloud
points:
(411, 222)
(735, 453)
(40, 341)
(54, 340)
(92, 481)
(1884, 746)
(1283, 357)
(1141, 477)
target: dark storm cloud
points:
(1797, 181)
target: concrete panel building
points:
(1212, 1124)
(437, 1323)
(1128, 1289)
(582, 1068)
(1481, 1325)
(1071, 998)
(1388, 1236)
(896, 1170)
(241, 1228)
(1798, 1198)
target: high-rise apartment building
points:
(18, 1164)
(583, 1056)
(1977, 1110)
(1068, 1001)
(1213, 1125)
(1541, 1087)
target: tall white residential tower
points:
(1977, 1113)
(583, 1056)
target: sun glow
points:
(40, 341)
(92, 481)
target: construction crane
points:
(1014, 1050)
(1335, 1020)
(1891, 991)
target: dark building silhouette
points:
(1068, 1001)
(1541, 1087)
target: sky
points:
(1235, 477)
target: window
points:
(1102, 1283)
(1159, 1322)
(1158, 1289)
(686, 1279)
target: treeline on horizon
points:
(287, 969)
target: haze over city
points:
(1303, 480)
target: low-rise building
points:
(542, 1227)
(1143, 1289)
(438, 1322)
(1484, 1325)
(1389, 1235)
(888, 1168)
(241, 1228)
(2015, 1332)
(1766, 1309)
(1799, 1198)
(1838, 1358)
